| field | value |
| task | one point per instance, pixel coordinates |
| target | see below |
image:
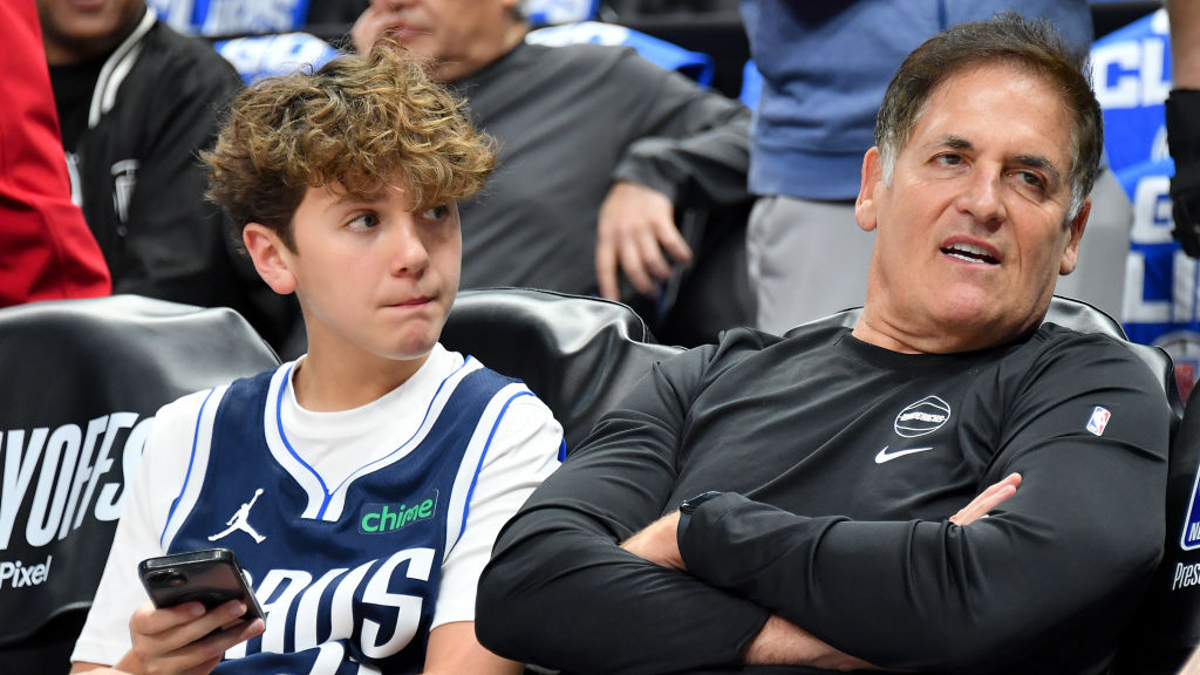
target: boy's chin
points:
(413, 349)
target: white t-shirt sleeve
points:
(105, 636)
(523, 453)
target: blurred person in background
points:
(136, 102)
(598, 148)
(46, 249)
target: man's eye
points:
(949, 159)
(1032, 179)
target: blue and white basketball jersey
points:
(347, 574)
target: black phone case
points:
(210, 576)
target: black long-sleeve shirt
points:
(847, 460)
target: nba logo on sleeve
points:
(1098, 420)
(1191, 524)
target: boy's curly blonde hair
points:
(365, 123)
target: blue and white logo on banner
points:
(232, 17)
(1131, 75)
(555, 12)
(269, 55)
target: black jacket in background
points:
(136, 173)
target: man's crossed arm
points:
(781, 642)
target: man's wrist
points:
(686, 509)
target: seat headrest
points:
(82, 380)
(578, 354)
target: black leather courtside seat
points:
(80, 381)
(578, 354)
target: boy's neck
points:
(324, 386)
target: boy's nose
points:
(408, 251)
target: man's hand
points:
(636, 224)
(781, 642)
(180, 640)
(657, 542)
(987, 500)
(368, 29)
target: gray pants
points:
(809, 259)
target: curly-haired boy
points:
(362, 485)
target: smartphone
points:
(211, 576)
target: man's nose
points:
(982, 196)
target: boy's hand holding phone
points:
(200, 606)
(184, 639)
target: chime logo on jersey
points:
(382, 518)
(923, 417)
(1190, 538)
(1098, 420)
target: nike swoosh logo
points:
(885, 456)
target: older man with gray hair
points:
(597, 149)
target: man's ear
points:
(272, 259)
(1071, 254)
(872, 174)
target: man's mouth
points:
(402, 31)
(969, 253)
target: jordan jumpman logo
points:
(240, 521)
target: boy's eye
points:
(439, 212)
(364, 221)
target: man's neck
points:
(449, 72)
(902, 336)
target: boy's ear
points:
(272, 259)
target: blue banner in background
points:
(232, 17)
(270, 55)
(1131, 75)
(670, 56)
(556, 12)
